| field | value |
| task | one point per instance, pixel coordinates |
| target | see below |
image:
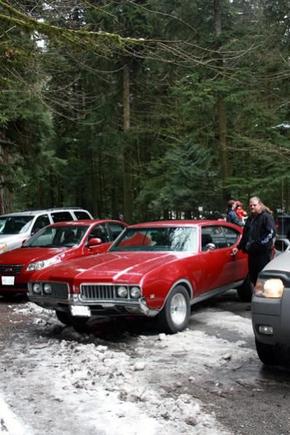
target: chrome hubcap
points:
(178, 309)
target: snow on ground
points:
(72, 383)
(225, 320)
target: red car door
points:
(219, 266)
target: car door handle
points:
(234, 252)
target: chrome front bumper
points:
(97, 304)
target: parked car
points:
(17, 227)
(270, 311)
(156, 269)
(283, 225)
(53, 244)
(281, 245)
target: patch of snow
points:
(10, 424)
(74, 382)
(225, 320)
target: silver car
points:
(271, 311)
(17, 227)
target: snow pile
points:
(72, 383)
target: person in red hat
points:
(240, 212)
(232, 215)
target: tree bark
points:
(5, 195)
(2, 208)
(220, 106)
(127, 167)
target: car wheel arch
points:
(175, 313)
(182, 282)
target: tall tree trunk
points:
(5, 195)
(127, 167)
(2, 207)
(220, 106)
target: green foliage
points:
(180, 181)
(199, 103)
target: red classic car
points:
(153, 269)
(53, 244)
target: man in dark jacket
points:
(258, 237)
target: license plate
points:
(8, 280)
(80, 311)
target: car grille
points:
(98, 292)
(59, 290)
(10, 269)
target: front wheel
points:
(80, 323)
(175, 314)
(267, 353)
(245, 290)
(64, 317)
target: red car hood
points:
(29, 255)
(108, 267)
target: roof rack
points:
(52, 208)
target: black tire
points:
(80, 323)
(267, 353)
(64, 317)
(245, 290)
(175, 314)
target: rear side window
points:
(81, 215)
(231, 236)
(281, 245)
(61, 216)
(41, 221)
(215, 235)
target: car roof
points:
(182, 222)
(34, 212)
(85, 222)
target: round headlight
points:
(269, 288)
(47, 289)
(135, 292)
(39, 265)
(36, 288)
(122, 292)
(273, 288)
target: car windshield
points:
(56, 237)
(181, 239)
(14, 224)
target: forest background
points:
(149, 108)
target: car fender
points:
(185, 283)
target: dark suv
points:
(270, 311)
